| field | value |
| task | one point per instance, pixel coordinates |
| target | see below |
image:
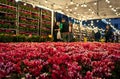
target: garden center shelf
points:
(24, 19)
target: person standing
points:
(70, 32)
(64, 30)
(55, 31)
(97, 36)
(108, 34)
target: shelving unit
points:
(23, 18)
(8, 13)
(86, 33)
(76, 31)
(28, 19)
(45, 23)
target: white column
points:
(52, 22)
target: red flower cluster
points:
(58, 60)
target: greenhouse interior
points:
(59, 39)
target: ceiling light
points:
(17, 0)
(77, 5)
(110, 6)
(91, 24)
(67, 10)
(91, 17)
(24, 3)
(82, 5)
(74, 12)
(97, 20)
(71, 2)
(60, 7)
(70, 9)
(46, 1)
(95, 3)
(107, 1)
(89, 9)
(83, 16)
(116, 13)
(54, 4)
(92, 12)
(114, 10)
(75, 8)
(85, 5)
(91, 21)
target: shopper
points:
(93, 36)
(64, 30)
(108, 34)
(97, 36)
(55, 31)
(70, 32)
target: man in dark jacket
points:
(108, 34)
(65, 30)
(97, 36)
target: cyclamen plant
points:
(59, 60)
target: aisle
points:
(50, 60)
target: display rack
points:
(46, 23)
(28, 19)
(76, 31)
(86, 33)
(23, 18)
(8, 13)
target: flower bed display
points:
(59, 60)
